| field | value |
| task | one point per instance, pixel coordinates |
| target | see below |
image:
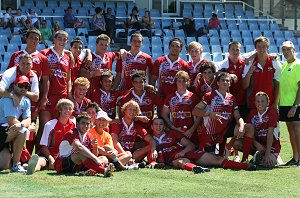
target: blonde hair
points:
(133, 103)
(195, 45)
(82, 81)
(63, 103)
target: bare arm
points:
(153, 80)
(84, 151)
(152, 144)
(44, 91)
(117, 81)
(199, 110)
(276, 94)
(69, 84)
(188, 146)
(246, 79)
(117, 144)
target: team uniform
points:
(80, 107)
(77, 66)
(103, 139)
(261, 123)
(194, 69)
(132, 64)
(262, 79)
(146, 102)
(166, 70)
(53, 134)
(169, 144)
(212, 130)
(107, 101)
(59, 68)
(66, 150)
(288, 88)
(202, 87)
(181, 107)
(128, 134)
(99, 62)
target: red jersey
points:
(66, 149)
(169, 144)
(236, 88)
(181, 107)
(194, 70)
(99, 62)
(212, 130)
(107, 101)
(59, 68)
(75, 69)
(128, 134)
(40, 62)
(203, 87)
(262, 80)
(147, 102)
(53, 134)
(80, 107)
(139, 63)
(261, 123)
(166, 70)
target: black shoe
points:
(156, 166)
(251, 165)
(142, 164)
(257, 157)
(200, 169)
(117, 165)
(292, 162)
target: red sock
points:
(189, 166)
(90, 164)
(222, 148)
(228, 164)
(149, 158)
(247, 147)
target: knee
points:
(249, 130)
(238, 145)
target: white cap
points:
(288, 44)
(103, 114)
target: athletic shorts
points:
(3, 136)
(283, 111)
(68, 166)
(193, 155)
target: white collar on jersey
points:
(126, 126)
(221, 96)
(181, 96)
(32, 54)
(159, 140)
(170, 62)
(210, 83)
(195, 65)
(136, 56)
(55, 52)
(261, 115)
(140, 99)
(107, 94)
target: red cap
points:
(22, 79)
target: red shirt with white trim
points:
(236, 88)
(194, 70)
(202, 87)
(212, 130)
(165, 70)
(40, 62)
(107, 101)
(53, 134)
(262, 79)
(66, 149)
(128, 134)
(80, 107)
(132, 64)
(261, 123)
(59, 68)
(181, 107)
(99, 62)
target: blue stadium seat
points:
(16, 39)
(206, 48)
(188, 6)
(154, 13)
(197, 15)
(92, 40)
(235, 33)
(274, 26)
(155, 55)
(213, 33)
(187, 13)
(288, 34)
(237, 38)
(166, 40)
(179, 33)
(253, 26)
(156, 41)
(268, 33)
(146, 49)
(273, 49)
(219, 8)
(225, 40)
(279, 40)
(71, 32)
(246, 34)
(64, 4)
(225, 48)
(110, 4)
(243, 26)
(166, 23)
(256, 33)
(249, 48)
(248, 41)
(198, 7)
(278, 33)
(249, 13)
(11, 48)
(190, 39)
(168, 32)
(2, 50)
(157, 49)
(203, 40)
(224, 33)
(264, 26)
(157, 23)
(216, 48)
(3, 40)
(177, 24)
(214, 41)
(207, 56)
(232, 26)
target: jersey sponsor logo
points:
(167, 79)
(36, 60)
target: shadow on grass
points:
(4, 172)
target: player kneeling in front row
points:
(263, 136)
(180, 152)
(78, 151)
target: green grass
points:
(278, 182)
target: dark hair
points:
(8, 8)
(176, 39)
(135, 9)
(136, 34)
(107, 74)
(76, 40)
(214, 15)
(92, 105)
(34, 31)
(222, 74)
(69, 8)
(83, 115)
(234, 43)
(98, 10)
(158, 118)
(138, 74)
(207, 65)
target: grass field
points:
(278, 182)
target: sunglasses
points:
(24, 85)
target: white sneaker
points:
(32, 164)
(132, 167)
(17, 168)
(237, 158)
